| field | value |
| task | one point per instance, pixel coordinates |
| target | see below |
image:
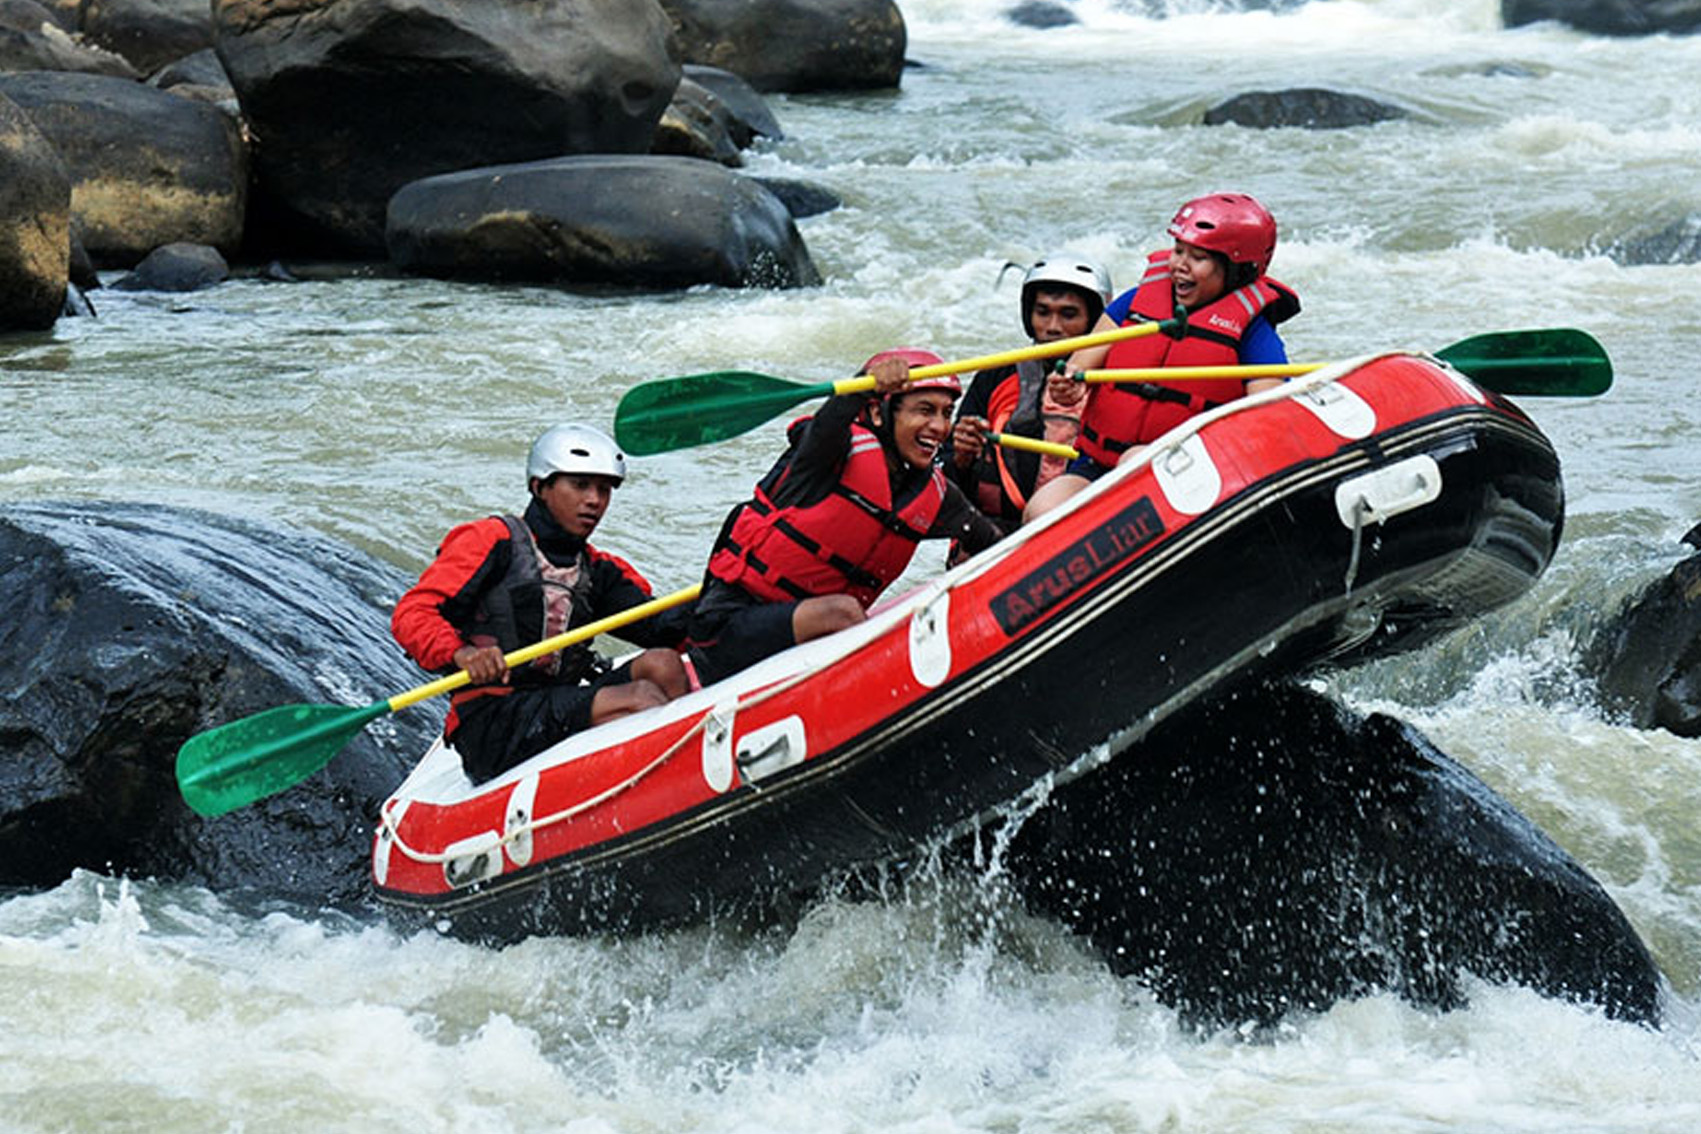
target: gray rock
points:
(658, 222)
(421, 87)
(1268, 852)
(749, 111)
(35, 224)
(177, 267)
(1608, 17)
(697, 124)
(801, 198)
(1041, 14)
(147, 168)
(794, 45)
(35, 38)
(1313, 108)
(1647, 658)
(149, 33)
(201, 68)
(1676, 243)
(130, 628)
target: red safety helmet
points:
(1234, 224)
(918, 358)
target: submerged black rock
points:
(1268, 852)
(124, 630)
(1313, 108)
(1647, 660)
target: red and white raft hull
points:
(1362, 509)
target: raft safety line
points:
(497, 841)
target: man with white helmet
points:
(1063, 295)
(836, 519)
(504, 582)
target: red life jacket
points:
(850, 542)
(1120, 415)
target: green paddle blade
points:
(236, 764)
(1558, 363)
(676, 413)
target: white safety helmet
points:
(575, 449)
(1071, 270)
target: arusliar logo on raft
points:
(1105, 548)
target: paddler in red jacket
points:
(505, 582)
(1215, 272)
(835, 521)
(1063, 295)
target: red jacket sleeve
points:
(422, 621)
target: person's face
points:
(920, 423)
(1196, 275)
(1060, 314)
(576, 501)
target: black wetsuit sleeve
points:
(960, 520)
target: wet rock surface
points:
(1270, 852)
(124, 630)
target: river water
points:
(382, 411)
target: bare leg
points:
(825, 614)
(613, 701)
(1051, 494)
(664, 669)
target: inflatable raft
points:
(1358, 511)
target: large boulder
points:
(1608, 17)
(794, 45)
(35, 224)
(147, 167)
(127, 629)
(352, 99)
(149, 33)
(659, 222)
(1269, 852)
(1647, 658)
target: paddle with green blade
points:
(1556, 363)
(677, 413)
(244, 761)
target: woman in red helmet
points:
(835, 521)
(1216, 273)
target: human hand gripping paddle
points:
(239, 763)
(676, 413)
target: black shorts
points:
(742, 638)
(496, 733)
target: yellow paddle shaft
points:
(1031, 445)
(549, 645)
(1054, 349)
(1183, 373)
